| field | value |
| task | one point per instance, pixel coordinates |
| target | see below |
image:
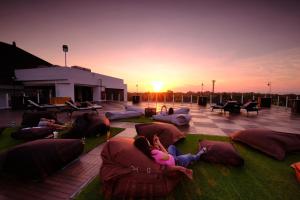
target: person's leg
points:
(200, 152)
(185, 159)
(172, 149)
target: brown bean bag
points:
(221, 152)
(32, 119)
(272, 143)
(39, 158)
(88, 124)
(127, 173)
(167, 133)
(33, 133)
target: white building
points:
(75, 82)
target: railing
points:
(278, 100)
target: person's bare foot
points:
(189, 173)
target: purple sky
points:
(242, 45)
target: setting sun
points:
(157, 86)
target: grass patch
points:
(6, 141)
(92, 142)
(141, 119)
(261, 177)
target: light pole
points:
(269, 85)
(65, 49)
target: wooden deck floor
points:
(64, 184)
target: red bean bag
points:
(126, 173)
(167, 133)
(272, 143)
(40, 158)
(221, 152)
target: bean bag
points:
(167, 133)
(33, 133)
(273, 143)
(126, 173)
(177, 119)
(221, 152)
(114, 115)
(182, 111)
(40, 158)
(88, 124)
(134, 108)
(31, 119)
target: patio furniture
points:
(167, 133)
(177, 119)
(230, 106)
(32, 133)
(250, 107)
(127, 173)
(88, 124)
(149, 112)
(75, 108)
(32, 119)
(264, 102)
(273, 143)
(40, 158)
(35, 106)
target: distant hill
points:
(12, 57)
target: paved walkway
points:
(66, 183)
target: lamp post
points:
(269, 85)
(65, 49)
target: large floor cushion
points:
(272, 143)
(88, 124)
(115, 115)
(167, 133)
(221, 152)
(40, 158)
(32, 133)
(126, 173)
(177, 119)
(32, 119)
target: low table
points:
(149, 112)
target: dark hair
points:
(142, 144)
(171, 111)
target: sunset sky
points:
(242, 45)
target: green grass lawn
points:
(261, 177)
(6, 141)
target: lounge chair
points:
(35, 106)
(75, 108)
(250, 106)
(230, 106)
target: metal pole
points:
(181, 99)
(165, 98)
(278, 100)
(65, 59)
(173, 99)
(220, 98)
(242, 99)
(191, 98)
(253, 97)
(286, 101)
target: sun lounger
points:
(177, 119)
(230, 106)
(250, 106)
(35, 106)
(75, 108)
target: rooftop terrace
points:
(69, 181)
